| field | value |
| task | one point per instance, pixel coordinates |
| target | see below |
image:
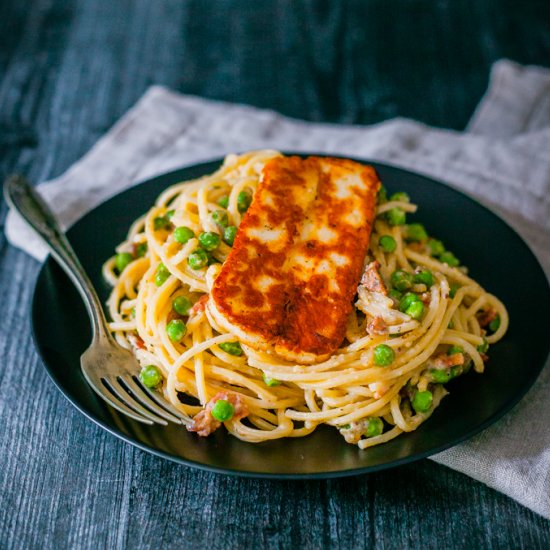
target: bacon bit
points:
(136, 341)
(486, 316)
(444, 361)
(354, 432)
(484, 357)
(372, 280)
(378, 389)
(204, 423)
(426, 298)
(377, 326)
(199, 305)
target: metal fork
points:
(109, 369)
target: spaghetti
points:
(418, 322)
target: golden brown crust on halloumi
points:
(289, 281)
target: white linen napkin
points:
(503, 160)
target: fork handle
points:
(21, 196)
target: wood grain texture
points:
(68, 70)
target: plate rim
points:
(332, 474)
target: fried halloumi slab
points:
(288, 284)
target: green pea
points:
(396, 216)
(400, 196)
(494, 325)
(161, 222)
(375, 426)
(181, 305)
(455, 349)
(416, 232)
(415, 310)
(401, 280)
(122, 260)
(219, 217)
(424, 277)
(198, 259)
(209, 241)
(229, 234)
(233, 348)
(484, 347)
(183, 234)
(387, 243)
(450, 259)
(395, 294)
(176, 330)
(383, 355)
(382, 195)
(407, 301)
(456, 371)
(243, 201)
(441, 376)
(435, 247)
(422, 401)
(150, 376)
(271, 382)
(161, 275)
(453, 289)
(222, 410)
(224, 201)
(170, 213)
(141, 250)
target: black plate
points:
(495, 254)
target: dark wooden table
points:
(68, 70)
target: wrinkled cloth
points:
(502, 159)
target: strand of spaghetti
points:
(238, 429)
(342, 413)
(121, 326)
(108, 271)
(431, 339)
(397, 415)
(240, 380)
(465, 335)
(440, 313)
(303, 431)
(383, 438)
(181, 255)
(451, 272)
(202, 204)
(309, 396)
(476, 306)
(184, 357)
(435, 306)
(157, 310)
(266, 363)
(341, 401)
(504, 320)
(479, 366)
(400, 257)
(402, 205)
(199, 370)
